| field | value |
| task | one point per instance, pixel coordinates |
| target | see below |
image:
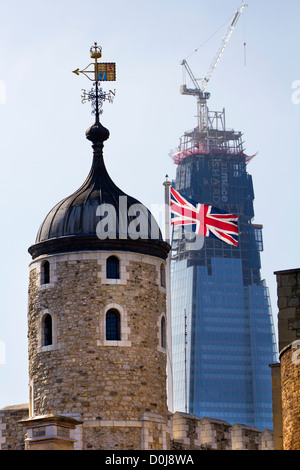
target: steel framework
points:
(215, 138)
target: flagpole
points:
(167, 185)
(185, 363)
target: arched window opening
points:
(113, 325)
(47, 330)
(163, 333)
(162, 275)
(113, 268)
(31, 410)
(46, 272)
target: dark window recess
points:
(113, 325)
(162, 276)
(47, 330)
(112, 268)
(46, 272)
(163, 333)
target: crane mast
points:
(199, 91)
(210, 135)
(222, 46)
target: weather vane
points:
(100, 72)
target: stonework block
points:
(290, 386)
(81, 372)
(12, 434)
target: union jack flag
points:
(207, 220)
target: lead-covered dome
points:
(99, 215)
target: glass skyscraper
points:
(222, 329)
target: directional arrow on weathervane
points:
(102, 72)
(85, 71)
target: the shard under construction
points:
(222, 328)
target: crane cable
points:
(245, 40)
(210, 37)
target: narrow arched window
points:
(46, 272)
(113, 325)
(113, 268)
(163, 333)
(162, 275)
(47, 330)
(30, 401)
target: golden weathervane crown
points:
(100, 72)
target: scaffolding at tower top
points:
(212, 139)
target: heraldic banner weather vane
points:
(100, 72)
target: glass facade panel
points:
(222, 328)
(181, 332)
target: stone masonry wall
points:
(290, 377)
(288, 291)
(12, 433)
(83, 375)
(185, 432)
(193, 433)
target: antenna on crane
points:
(199, 90)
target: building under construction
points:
(210, 137)
(222, 329)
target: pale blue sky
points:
(45, 155)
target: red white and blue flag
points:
(207, 220)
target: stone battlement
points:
(193, 433)
(187, 432)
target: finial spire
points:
(101, 72)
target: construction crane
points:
(199, 90)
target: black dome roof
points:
(99, 215)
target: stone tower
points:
(97, 319)
(286, 403)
